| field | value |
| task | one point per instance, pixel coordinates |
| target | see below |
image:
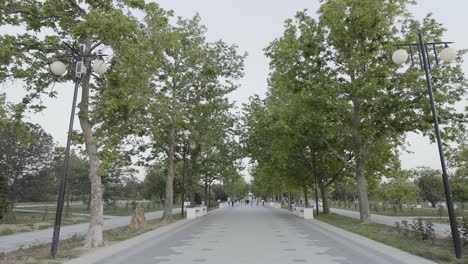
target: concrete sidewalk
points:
(249, 235)
(28, 239)
(442, 230)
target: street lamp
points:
(447, 55)
(76, 69)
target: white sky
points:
(252, 25)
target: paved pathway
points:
(27, 239)
(249, 235)
(440, 229)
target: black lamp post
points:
(76, 69)
(446, 55)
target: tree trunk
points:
(182, 195)
(209, 196)
(167, 215)
(67, 208)
(361, 186)
(306, 196)
(94, 235)
(323, 193)
(360, 152)
(205, 188)
(289, 201)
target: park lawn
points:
(72, 248)
(441, 251)
(30, 221)
(119, 210)
(425, 211)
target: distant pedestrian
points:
(263, 202)
(232, 202)
(247, 202)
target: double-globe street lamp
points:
(76, 69)
(448, 54)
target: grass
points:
(121, 209)
(72, 248)
(30, 221)
(42, 227)
(441, 250)
(425, 211)
(6, 232)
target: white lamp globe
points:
(99, 67)
(448, 54)
(58, 68)
(400, 56)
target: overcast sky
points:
(252, 25)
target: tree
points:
(154, 185)
(459, 185)
(306, 136)
(77, 178)
(381, 107)
(3, 178)
(429, 182)
(26, 158)
(400, 190)
(185, 87)
(96, 24)
(241, 187)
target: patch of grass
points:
(425, 211)
(43, 226)
(441, 250)
(30, 221)
(6, 232)
(120, 209)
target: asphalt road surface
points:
(250, 235)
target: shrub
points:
(424, 229)
(398, 227)
(406, 228)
